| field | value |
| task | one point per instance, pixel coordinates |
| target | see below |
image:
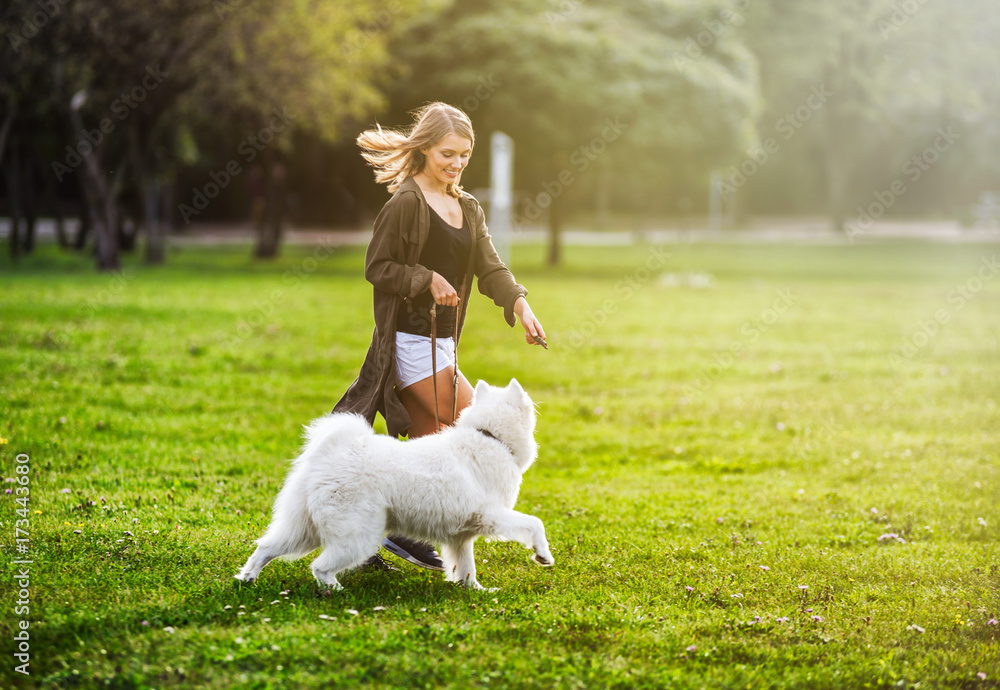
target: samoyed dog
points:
(351, 486)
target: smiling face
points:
(447, 159)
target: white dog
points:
(350, 487)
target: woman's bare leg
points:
(418, 399)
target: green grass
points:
(713, 518)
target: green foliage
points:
(712, 521)
(558, 70)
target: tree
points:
(896, 70)
(585, 86)
(138, 85)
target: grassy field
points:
(759, 467)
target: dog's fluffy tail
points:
(292, 532)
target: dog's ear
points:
(515, 386)
(482, 390)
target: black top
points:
(447, 253)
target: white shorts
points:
(413, 357)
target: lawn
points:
(759, 467)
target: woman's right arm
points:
(385, 265)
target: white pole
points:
(501, 192)
(715, 204)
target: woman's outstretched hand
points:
(443, 292)
(532, 326)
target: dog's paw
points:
(476, 587)
(239, 577)
(544, 559)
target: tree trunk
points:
(14, 192)
(155, 245)
(101, 201)
(8, 123)
(28, 194)
(555, 230)
(269, 237)
(83, 231)
(102, 212)
(602, 196)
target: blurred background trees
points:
(139, 119)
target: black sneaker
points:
(378, 563)
(415, 552)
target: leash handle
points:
(437, 416)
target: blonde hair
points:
(396, 155)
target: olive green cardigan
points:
(391, 266)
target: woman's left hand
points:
(532, 326)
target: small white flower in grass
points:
(803, 587)
(780, 426)
(265, 620)
(379, 608)
(982, 522)
(239, 640)
(981, 675)
(65, 491)
(692, 648)
(353, 612)
(241, 613)
(718, 520)
(817, 619)
(226, 607)
(275, 648)
(169, 629)
(276, 601)
(764, 568)
(915, 628)
(874, 511)
(992, 621)
(783, 619)
(689, 588)
(892, 536)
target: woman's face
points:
(447, 159)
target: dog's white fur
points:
(350, 487)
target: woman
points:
(429, 240)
